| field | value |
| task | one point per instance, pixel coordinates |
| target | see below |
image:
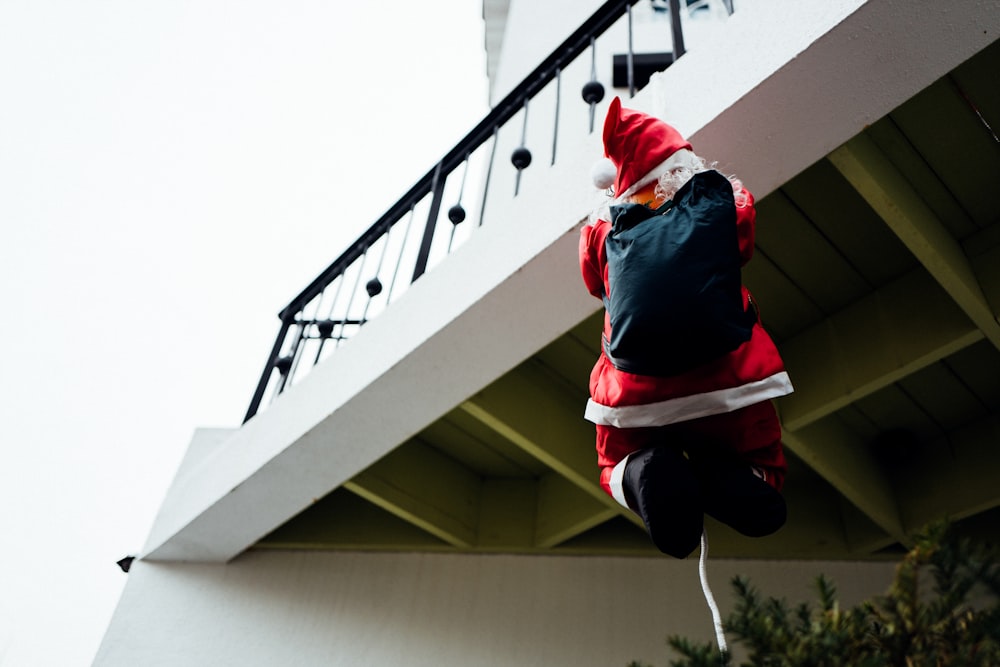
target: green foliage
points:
(943, 608)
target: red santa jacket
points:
(751, 373)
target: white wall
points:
(356, 609)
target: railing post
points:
(630, 54)
(437, 188)
(676, 32)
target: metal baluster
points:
(290, 361)
(593, 91)
(284, 366)
(489, 172)
(456, 214)
(437, 189)
(402, 248)
(555, 130)
(326, 326)
(521, 157)
(269, 368)
(350, 299)
(374, 286)
(299, 347)
(677, 33)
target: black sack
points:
(675, 298)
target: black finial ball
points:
(520, 158)
(373, 287)
(456, 214)
(283, 364)
(593, 92)
(325, 328)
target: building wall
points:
(332, 609)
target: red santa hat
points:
(638, 148)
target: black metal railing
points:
(388, 257)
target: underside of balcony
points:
(878, 273)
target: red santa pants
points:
(751, 435)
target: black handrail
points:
(502, 112)
(432, 183)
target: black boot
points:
(737, 495)
(661, 487)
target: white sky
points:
(171, 174)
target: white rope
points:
(720, 635)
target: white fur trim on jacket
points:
(615, 483)
(685, 408)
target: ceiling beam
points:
(342, 520)
(888, 192)
(507, 514)
(811, 528)
(863, 536)
(954, 476)
(425, 488)
(524, 408)
(983, 250)
(564, 511)
(897, 330)
(838, 456)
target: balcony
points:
(451, 421)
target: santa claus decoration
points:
(681, 392)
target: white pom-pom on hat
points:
(603, 174)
